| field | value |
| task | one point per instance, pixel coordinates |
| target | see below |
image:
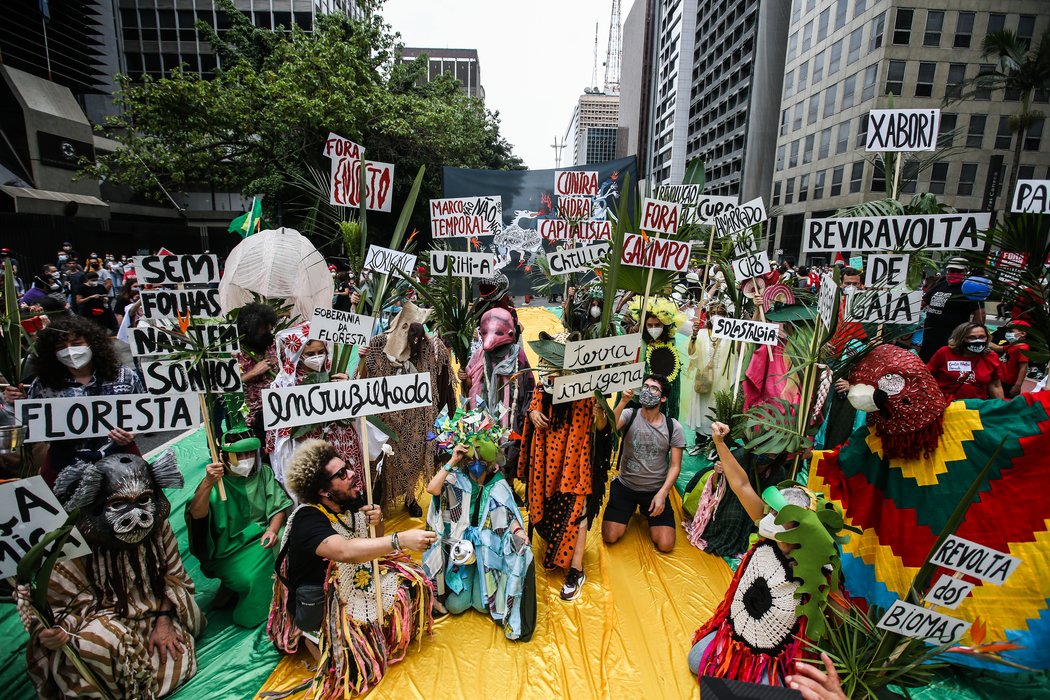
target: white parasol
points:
(281, 264)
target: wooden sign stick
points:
(212, 447)
(362, 431)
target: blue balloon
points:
(977, 288)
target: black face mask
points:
(261, 341)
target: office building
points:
(591, 134)
(845, 57)
(461, 64)
(673, 26)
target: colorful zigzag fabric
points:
(902, 505)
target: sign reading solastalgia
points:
(331, 401)
(901, 233)
(745, 331)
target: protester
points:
(257, 358)
(946, 307)
(44, 285)
(325, 585)
(92, 303)
(127, 608)
(234, 538)
(708, 371)
(1013, 370)
(650, 462)
(965, 368)
(343, 290)
(129, 294)
(660, 325)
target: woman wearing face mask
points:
(129, 294)
(257, 358)
(966, 368)
(93, 303)
(74, 357)
(305, 361)
(662, 321)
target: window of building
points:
(862, 131)
(1033, 136)
(895, 78)
(792, 50)
(938, 177)
(825, 144)
(975, 135)
(789, 83)
(830, 98)
(849, 88)
(789, 190)
(776, 192)
(956, 76)
(924, 84)
(878, 28)
(856, 177)
(948, 124)
(840, 13)
(807, 151)
(859, 6)
(871, 76)
(836, 181)
(856, 38)
(784, 126)
(1026, 27)
(796, 124)
(793, 154)
(983, 93)
(878, 177)
(807, 36)
(902, 26)
(814, 109)
(803, 188)
(818, 68)
(967, 179)
(934, 25)
(835, 58)
(1003, 137)
(996, 22)
(822, 25)
(818, 184)
(780, 158)
(964, 30)
(842, 138)
(1026, 172)
(803, 76)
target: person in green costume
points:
(234, 539)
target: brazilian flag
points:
(249, 222)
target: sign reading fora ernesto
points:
(903, 233)
(330, 401)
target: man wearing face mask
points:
(234, 538)
(93, 303)
(946, 307)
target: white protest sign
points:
(335, 146)
(444, 262)
(660, 217)
(602, 351)
(331, 401)
(221, 375)
(574, 208)
(826, 299)
(169, 303)
(577, 259)
(921, 623)
(28, 511)
(752, 265)
(894, 307)
(949, 592)
(902, 130)
(344, 327)
(741, 217)
(95, 416)
(874, 233)
(466, 217)
(149, 341)
(587, 230)
(605, 381)
(344, 184)
(576, 182)
(658, 253)
(384, 260)
(1031, 197)
(889, 270)
(744, 330)
(697, 207)
(975, 560)
(176, 269)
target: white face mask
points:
(654, 333)
(315, 362)
(596, 311)
(243, 467)
(75, 356)
(768, 528)
(1011, 337)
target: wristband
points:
(394, 542)
(449, 466)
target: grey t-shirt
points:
(645, 459)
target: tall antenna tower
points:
(614, 52)
(558, 148)
(594, 66)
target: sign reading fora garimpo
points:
(316, 403)
(874, 233)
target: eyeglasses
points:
(341, 474)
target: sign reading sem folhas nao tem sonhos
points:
(330, 401)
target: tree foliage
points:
(261, 120)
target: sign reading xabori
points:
(315, 403)
(897, 130)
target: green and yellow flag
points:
(249, 222)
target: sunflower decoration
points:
(663, 358)
(363, 579)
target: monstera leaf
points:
(815, 547)
(774, 428)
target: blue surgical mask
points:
(476, 469)
(1011, 337)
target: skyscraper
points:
(591, 134)
(461, 64)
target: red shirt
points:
(1011, 367)
(964, 376)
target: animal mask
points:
(120, 497)
(398, 346)
(497, 329)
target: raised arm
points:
(735, 475)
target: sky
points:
(535, 57)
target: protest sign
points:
(28, 511)
(587, 230)
(741, 217)
(384, 260)
(169, 303)
(335, 146)
(176, 269)
(697, 207)
(1031, 197)
(95, 416)
(975, 560)
(344, 184)
(331, 401)
(576, 182)
(1009, 266)
(577, 259)
(893, 307)
(874, 233)
(466, 217)
(893, 130)
(886, 270)
(344, 327)
(605, 381)
(658, 253)
(444, 262)
(148, 341)
(752, 265)
(215, 375)
(744, 330)
(920, 623)
(856, 262)
(660, 217)
(826, 300)
(574, 208)
(949, 592)
(602, 351)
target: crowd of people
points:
(297, 545)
